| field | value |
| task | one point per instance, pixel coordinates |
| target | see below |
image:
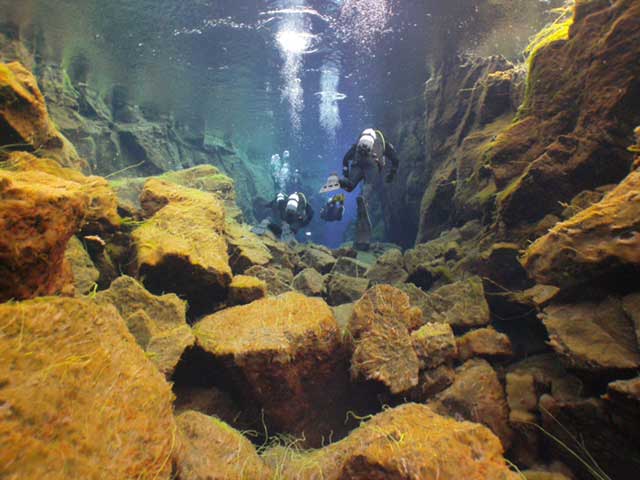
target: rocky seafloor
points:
(146, 333)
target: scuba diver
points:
(290, 214)
(366, 160)
(333, 210)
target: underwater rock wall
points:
(119, 138)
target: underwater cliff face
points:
(150, 327)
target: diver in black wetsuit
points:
(290, 214)
(366, 160)
(333, 210)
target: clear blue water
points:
(299, 75)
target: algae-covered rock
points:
(350, 267)
(245, 289)
(403, 443)
(522, 397)
(25, 120)
(85, 274)
(631, 305)
(101, 214)
(318, 258)
(593, 336)
(284, 352)
(344, 289)
(389, 269)
(432, 381)
(181, 248)
(212, 450)
(600, 239)
(39, 213)
(460, 304)
(478, 396)
(380, 329)
(158, 323)
(309, 282)
(484, 342)
(278, 280)
(246, 249)
(434, 344)
(80, 397)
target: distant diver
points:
(290, 214)
(333, 210)
(366, 160)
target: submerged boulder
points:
(403, 443)
(344, 289)
(246, 249)
(484, 342)
(278, 280)
(382, 346)
(209, 449)
(350, 267)
(434, 344)
(309, 282)
(478, 396)
(601, 239)
(158, 323)
(591, 336)
(181, 248)
(319, 258)
(39, 213)
(79, 397)
(284, 353)
(389, 269)
(245, 289)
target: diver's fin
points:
(332, 184)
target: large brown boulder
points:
(79, 397)
(246, 249)
(380, 329)
(212, 450)
(181, 247)
(599, 240)
(284, 353)
(478, 396)
(158, 323)
(278, 280)
(102, 209)
(25, 120)
(38, 215)
(403, 443)
(309, 282)
(591, 336)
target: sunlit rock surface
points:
(74, 381)
(410, 441)
(212, 450)
(285, 353)
(181, 248)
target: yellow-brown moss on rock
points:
(158, 323)
(24, 119)
(212, 450)
(285, 353)
(79, 396)
(85, 274)
(596, 241)
(38, 215)
(245, 289)
(181, 248)
(403, 443)
(382, 346)
(102, 207)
